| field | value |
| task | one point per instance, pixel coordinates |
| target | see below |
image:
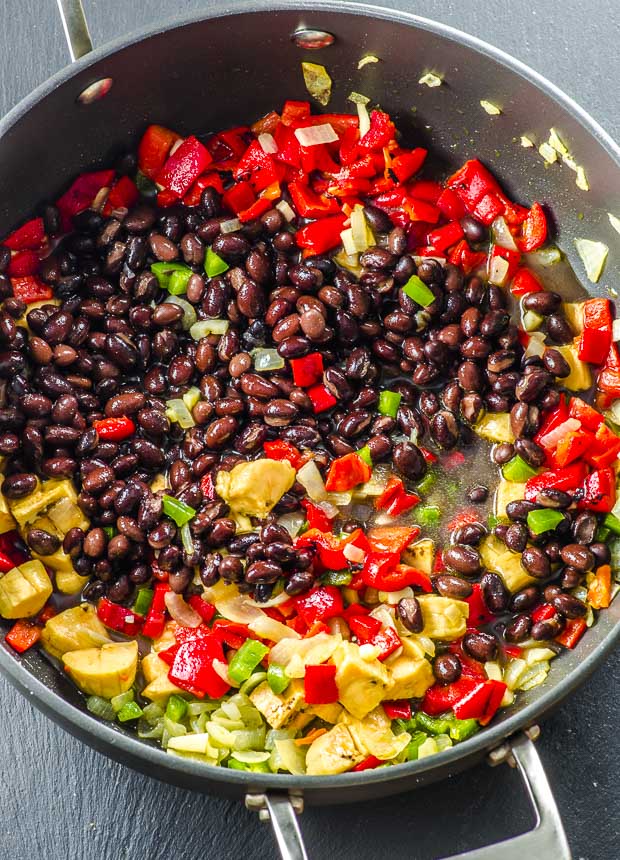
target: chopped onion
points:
(266, 359)
(221, 668)
(186, 539)
(329, 507)
(314, 135)
(413, 436)
(490, 108)
(238, 609)
(545, 256)
(189, 312)
(358, 98)
(548, 153)
(593, 256)
(292, 523)
(502, 235)
(369, 58)
(536, 345)
(350, 262)
(180, 611)
(177, 411)
(532, 321)
(230, 226)
(269, 628)
(202, 328)
(498, 270)
(318, 82)
(354, 554)
(250, 756)
(312, 481)
(364, 118)
(615, 222)
(562, 431)
(556, 142)
(291, 757)
(369, 652)
(526, 141)
(348, 244)
(341, 499)
(430, 79)
(268, 143)
(582, 181)
(286, 210)
(615, 328)
(615, 415)
(360, 231)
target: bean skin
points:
(410, 614)
(480, 646)
(447, 668)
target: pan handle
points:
(546, 839)
(75, 27)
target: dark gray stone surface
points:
(59, 800)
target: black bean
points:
(480, 646)
(543, 302)
(478, 494)
(529, 451)
(470, 534)
(536, 562)
(409, 460)
(299, 582)
(503, 452)
(475, 231)
(444, 429)
(552, 498)
(584, 528)
(601, 553)
(447, 668)
(547, 629)
(519, 629)
(518, 510)
(495, 594)
(555, 363)
(530, 386)
(19, 485)
(516, 537)
(463, 559)
(42, 542)
(449, 585)
(559, 329)
(525, 599)
(579, 557)
(410, 614)
(94, 543)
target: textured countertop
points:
(62, 801)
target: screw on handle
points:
(75, 27)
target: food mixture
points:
(304, 470)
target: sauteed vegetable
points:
(304, 468)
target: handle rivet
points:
(95, 91)
(312, 40)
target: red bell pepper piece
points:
(204, 609)
(209, 180)
(551, 420)
(605, 448)
(470, 668)
(254, 158)
(513, 258)
(474, 703)
(567, 479)
(347, 472)
(258, 208)
(192, 669)
(572, 447)
(392, 538)
(281, 450)
(426, 189)
(512, 650)
(320, 685)
(466, 259)
(599, 491)
(183, 168)
(445, 237)
(23, 635)
(377, 569)
(321, 236)
(232, 633)
(597, 314)
(593, 345)
(340, 122)
(451, 205)
(381, 131)
(81, 194)
(488, 208)
(266, 124)
(46, 613)
(167, 198)
(30, 289)
(156, 616)
(534, 229)
(118, 618)
(524, 282)
(23, 264)
(408, 163)
(498, 688)
(422, 210)
(6, 563)
(330, 548)
(399, 709)
(207, 487)
(30, 235)
(294, 112)
(307, 370)
(572, 633)
(123, 194)
(308, 204)
(441, 698)
(12, 547)
(388, 641)
(543, 613)
(478, 612)
(319, 604)
(369, 763)
(364, 627)
(115, 429)
(321, 398)
(472, 182)
(316, 516)
(153, 149)
(239, 197)
(589, 417)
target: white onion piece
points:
(354, 553)
(615, 413)
(615, 328)
(268, 143)
(502, 235)
(312, 481)
(536, 345)
(286, 210)
(551, 439)
(274, 601)
(269, 628)
(292, 523)
(175, 146)
(364, 118)
(316, 134)
(330, 508)
(498, 270)
(239, 609)
(180, 611)
(221, 668)
(202, 328)
(230, 226)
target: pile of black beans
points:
(113, 347)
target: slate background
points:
(59, 800)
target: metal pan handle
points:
(546, 839)
(75, 27)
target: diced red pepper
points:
(319, 604)
(23, 264)
(534, 229)
(153, 149)
(209, 180)
(340, 122)
(379, 571)
(155, 620)
(123, 194)
(316, 516)
(422, 210)
(369, 763)
(320, 684)
(207, 487)
(266, 124)
(281, 450)
(30, 235)
(364, 627)
(513, 258)
(551, 420)
(23, 635)
(572, 447)
(488, 208)
(426, 189)
(441, 698)
(184, 167)
(308, 204)
(46, 613)
(512, 651)
(204, 609)
(193, 670)
(478, 611)
(543, 613)
(388, 641)
(451, 205)
(330, 548)
(399, 709)
(599, 491)
(567, 479)
(307, 370)
(118, 618)
(408, 163)
(474, 703)
(81, 194)
(466, 259)
(31, 289)
(524, 282)
(470, 668)
(381, 131)
(445, 237)
(321, 236)
(254, 158)
(347, 472)
(167, 198)
(232, 633)
(472, 182)
(464, 518)
(6, 563)
(605, 448)
(572, 633)
(258, 208)
(498, 688)
(294, 112)
(392, 538)
(321, 398)
(593, 345)
(115, 429)
(589, 417)
(239, 197)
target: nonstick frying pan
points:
(220, 69)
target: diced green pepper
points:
(176, 708)
(602, 533)
(427, 482)
(543, 520)
(277, 678)
(518, 470)
(119, 702)
(177, 285)
(164, 271)
(246, 660)
(364, 454)
(177, 511)
(214, 264)
(389, 401)
(429, 515)
(417, 290)
(337, 577)
(258, 767)
(460, 730)
(143, 601)
(109, 532)
(433, 725)
(130, 711)
(612, 523)
(417, 739)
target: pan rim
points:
(126, 748)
